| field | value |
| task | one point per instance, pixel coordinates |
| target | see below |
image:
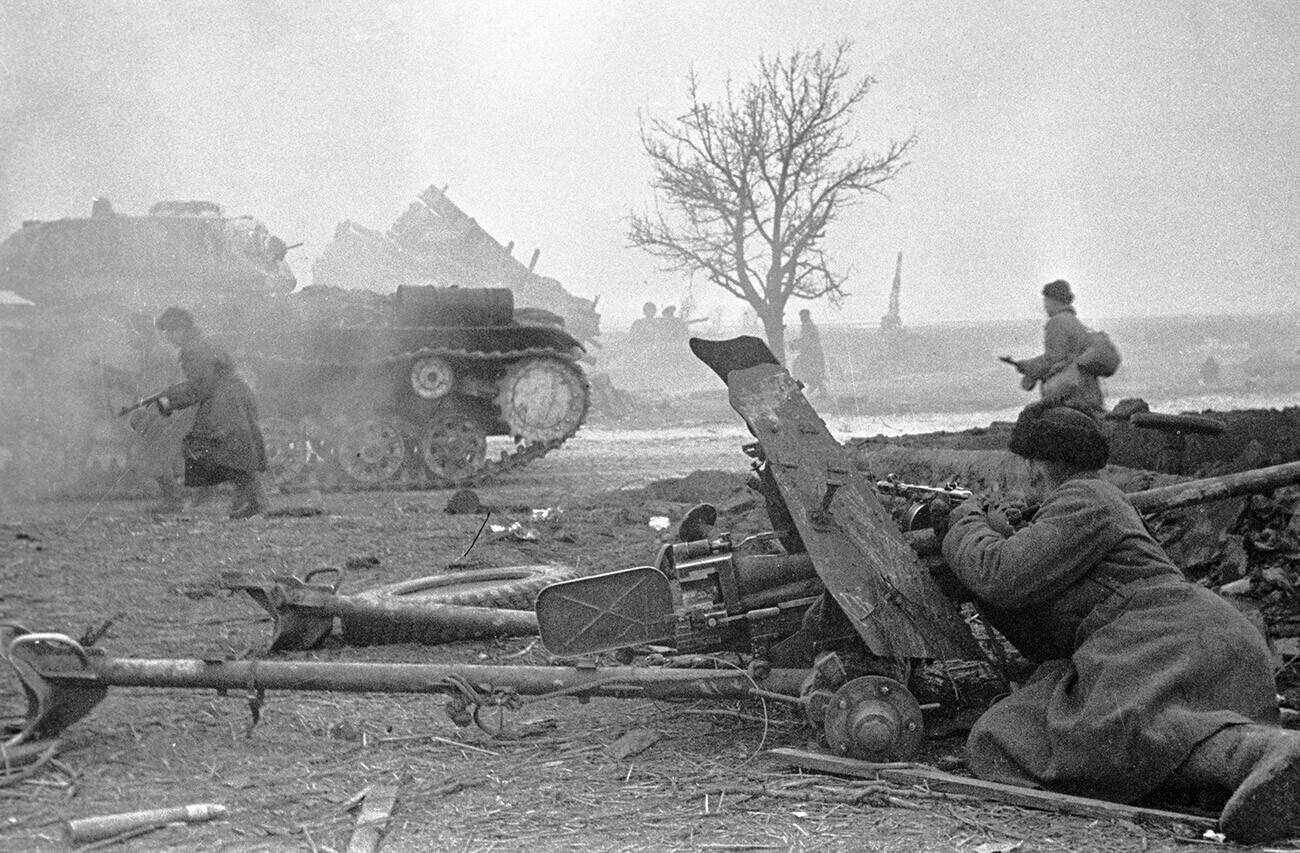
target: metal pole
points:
(617, 681)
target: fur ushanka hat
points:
(1059, 290)
(174, 318)
(1053, 432)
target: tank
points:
(425, 387)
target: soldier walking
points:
(225, 443)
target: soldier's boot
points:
(172, 500)
(250, 499)
(1261, 766)
(201, 495)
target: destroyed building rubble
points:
(435, 242)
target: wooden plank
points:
(373, 820)
(1030, 798)
(856, 546)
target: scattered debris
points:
(1030, 798)
(514, 531)
(634, 742)
(373, 820)
(294, 512)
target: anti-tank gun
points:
(830, 541)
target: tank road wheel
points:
(287, 450)
(454, 448)
(432, 377)
(543, 399)
(371, 451)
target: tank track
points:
(323, 477)
(318, 472)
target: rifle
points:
(1011, 361)
(140, 404)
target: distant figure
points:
(225, 443)
(1064, 340)
(810, 364)
(1211, 373)
(644, 326)
(670, 325)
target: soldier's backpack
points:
(1101, 356)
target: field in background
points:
(953, 367)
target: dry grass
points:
(292, 781)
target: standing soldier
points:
(643, 327)
(225, 443)
(810, 364)
(1064, 339)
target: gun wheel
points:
(543, 399)
(454, 448)
(287, 450)
(874, 718)
(507, 588)
(371, 451)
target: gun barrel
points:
(140, 404)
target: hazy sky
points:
(1145, 150)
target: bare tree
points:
(750, 182)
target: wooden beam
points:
(1029, 798)
(1253, 482)
(373, 820)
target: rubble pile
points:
(436, 242)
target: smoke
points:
(288, 110)
(1141, 150)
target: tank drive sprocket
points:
(543, 399)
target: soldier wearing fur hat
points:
(1143, 679)
(225, 443)
(1064, 339)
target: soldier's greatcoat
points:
(1136, 665)
(809, 365)
(225, 437)
(1064, 339)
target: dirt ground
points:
(290, 780)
